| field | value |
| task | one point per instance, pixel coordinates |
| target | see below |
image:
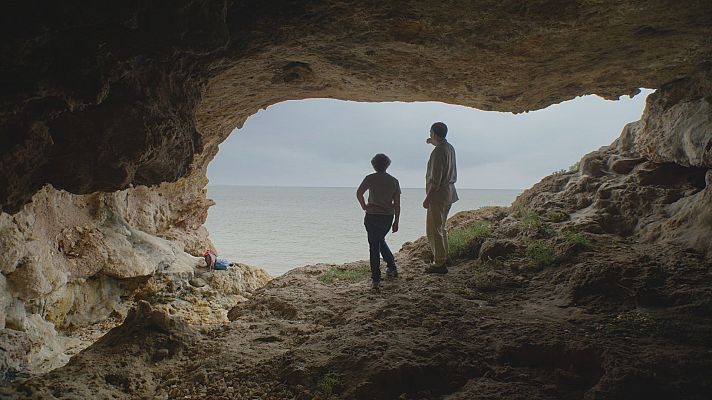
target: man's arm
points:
(437, 174)
(359, 194)
(396, 208)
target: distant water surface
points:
(280, 228)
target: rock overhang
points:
(102, 97)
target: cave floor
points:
(625, 321)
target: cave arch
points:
(121, 106)
(120, 97)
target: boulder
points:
(493, 249)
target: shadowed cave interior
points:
(595, 284)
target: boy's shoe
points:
(375, 285)
(435, 269)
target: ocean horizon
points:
(279, 228)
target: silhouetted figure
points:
(382, 213)
(440, 179)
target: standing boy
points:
(382, 213)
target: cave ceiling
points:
(99, 96)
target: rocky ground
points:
(196, 296)
(595, 284)
(597, 316)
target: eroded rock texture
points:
(103, 96)
(135, 97)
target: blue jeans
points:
(377, 227)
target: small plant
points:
(578, 239)
(572, 169)
(329, 384)
(460, 240)
(541, 253)
(345, 274)
(533, 222)
(530, 219)
(556, 216)
(484, 267)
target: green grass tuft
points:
(329, 384)
(572, 169)
(541, 253)
(358, 274)
(577, 239)
(530, 219)
(460, 240)
(556, 216)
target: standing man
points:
(440, 181)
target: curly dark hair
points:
(380, 162)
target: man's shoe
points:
(375, 285)
(392, 273)
(435, 269)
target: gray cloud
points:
(323, 142)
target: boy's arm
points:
(396, 207)
(359, 195)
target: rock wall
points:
(652, 183)
(102, 99)
(109, 95)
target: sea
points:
(281, 228)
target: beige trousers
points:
(435, 229)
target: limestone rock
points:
(102, 99)
(35, 277)
(623, 166)
(492, 249)
(238, 280)
(6, 299)
(676, 130)
(197, 282)
(653, 200)
(11, 245)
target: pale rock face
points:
(689, 224)
(64, 258)
(48, 350)
(15, 315)
(5, 300)
(681, 133)
(618, 189)
(82, 302)
(11, 244)
(35, 275)
(238, 280)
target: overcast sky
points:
(329, 143)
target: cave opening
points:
(285, 180)
(600, 289)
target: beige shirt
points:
(381, 189)
(442, 174)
